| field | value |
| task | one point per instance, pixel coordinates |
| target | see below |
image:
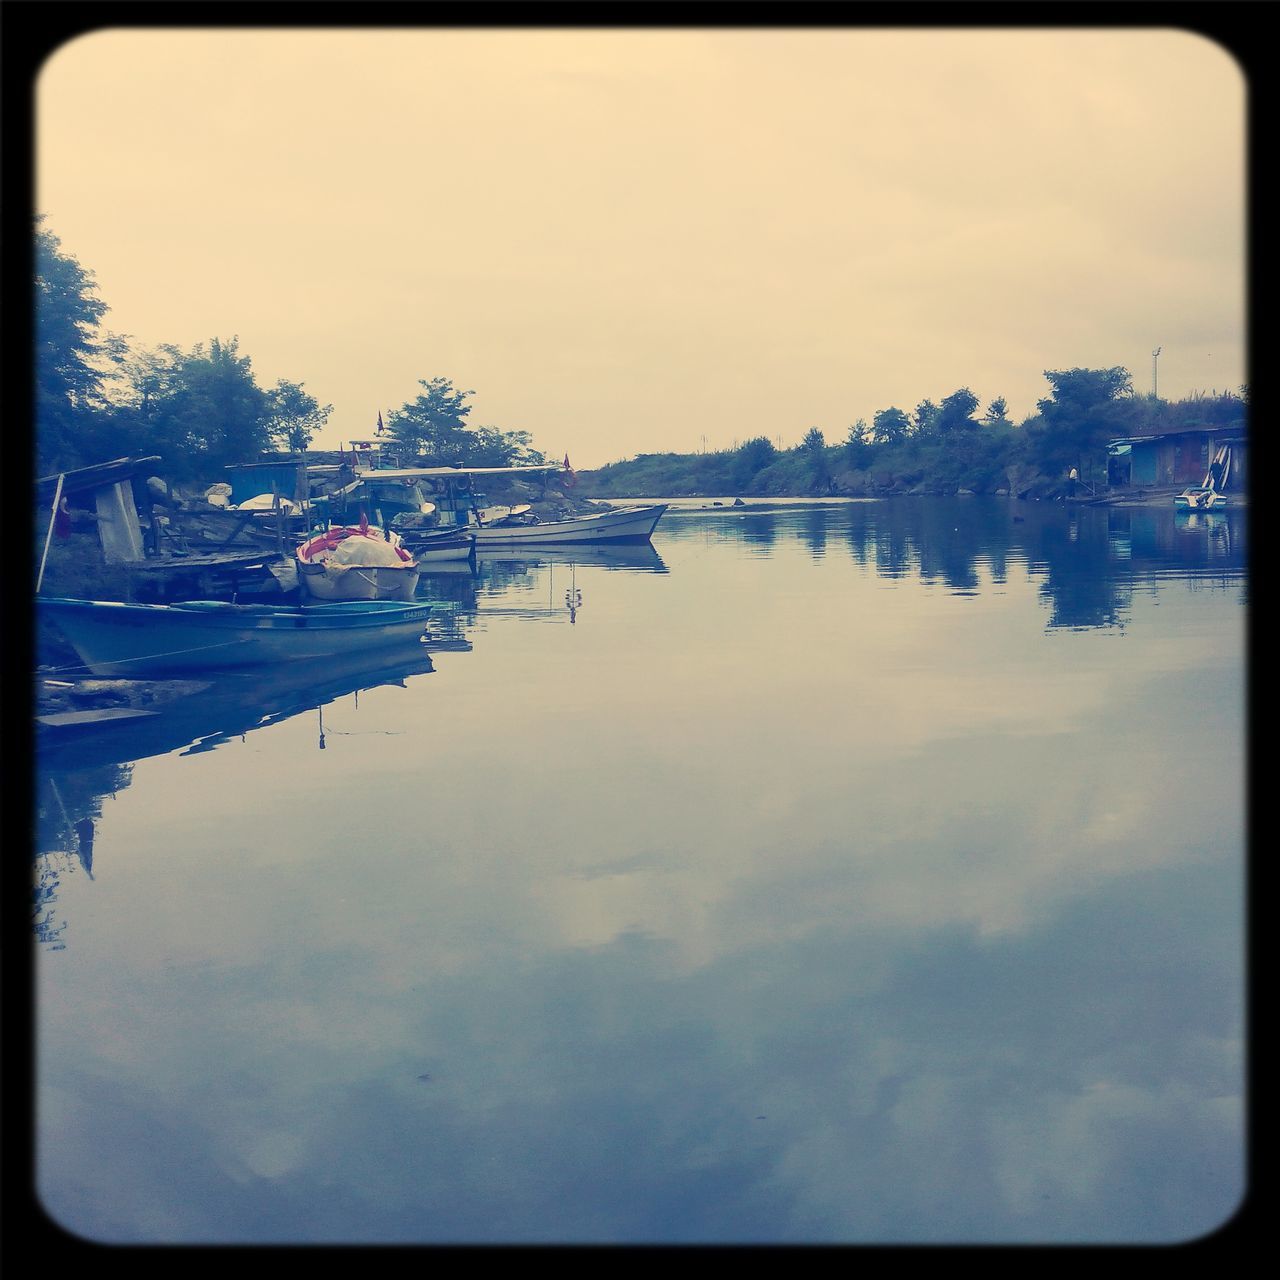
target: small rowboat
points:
(115, 639)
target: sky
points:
(637, 240)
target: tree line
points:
(943, 447)
(97, 397)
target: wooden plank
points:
(64, 719)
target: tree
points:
(752, 457)
(892, 426)
(857, 444)
(1086, 408)
(434, 424)
(200, 410)
(73, 355)
(926, 417)
(997, 414)
(956, 412)
(814, 446)
(490, 447)
(293, 416)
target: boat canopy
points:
(437, 473)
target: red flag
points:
(569, 477)
(379, 432)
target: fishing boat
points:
(459, 506)
(438, 546)
(115, 639)
(356, 562)
(622, 524)
(1209, 495)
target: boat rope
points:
(147, 657)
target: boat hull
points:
(327, 581)
(627, 524)
(115, 639)
(1200, 500)
(441, 550)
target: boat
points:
(622, 524)
(438, 546)
(459, 506)
(115, 639)
(1209, 495)
(356, 562)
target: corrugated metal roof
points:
(1234, 432)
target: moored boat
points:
(623, 524)
(115, 639)
(356, 562)
(1203, 499)
(438, 546)
(1208, 496)
(457, 505)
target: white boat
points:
(115, 639)
(356, 562)
(623, 524)
(438, 546)
(460, 507)
(1209, 496)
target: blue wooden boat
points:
(115, 639)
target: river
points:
(850, 872)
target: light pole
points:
(1155, 356)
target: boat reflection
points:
(68, 806)
(640, 557)
(198, 715)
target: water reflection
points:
(627, 557)
(199, 715)
(68, 807)
(853, 884)
(1087, 560)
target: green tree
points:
(293, 415)
(752, 457)
(814, 446)
(956, 412)
(490, 447)
(73, 357)
(857, 444)
(200, 409)
(1086, 408)
(892, 426)
(925, 418)
(997, 414)
(434, 424)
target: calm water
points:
(860, 872)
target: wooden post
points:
(279, 510)
(53, 516)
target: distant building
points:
(1174, 457)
